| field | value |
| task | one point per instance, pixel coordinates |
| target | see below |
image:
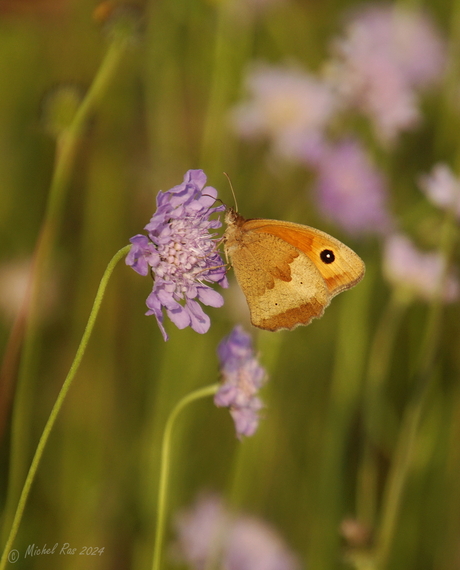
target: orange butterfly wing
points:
(288, 272)
(339, 266)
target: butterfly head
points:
(232, 218)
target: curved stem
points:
(58, 404)
(65, 154)
(165, 464)
(23, 332)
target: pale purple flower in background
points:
(253, 545)
(201, 531)
(419, 273)
(386, 55)
(350, 190)
(208, 536)
(181, 253)
(287, 106)
(242, 377)
(442, 188)
(409, 38)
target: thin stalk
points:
(422, 382)
(375, 406)
(23, 332)
(58, 405)
(165, 466)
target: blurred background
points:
(337, 114)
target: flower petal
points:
(154, 306)
(246, 421)
(210, 297)
(179, 316)
(200, 322)
(197, 177)
(137, 255)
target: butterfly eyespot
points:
(327, 256)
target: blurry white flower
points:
(287, 106)
(200, 531)
(14, 279)
(420, 273)
(14, 283)
(208, 536)
(442, 188)
(253, 545)
(387, 54)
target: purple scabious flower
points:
(442, 188)
(350, 190)
(289, 107)
(209, 536)
(386, 56)
(416, 272)
(242, 377)
(180, 251)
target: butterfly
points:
(288, 272)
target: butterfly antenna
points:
(233, 192)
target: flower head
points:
(242, 377)
(350, 190)
(419, 273)
(180, 251)
(209, 536)
(288, 106)
(442, 188)
(386, 55)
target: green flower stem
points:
(245, 463)
(68, 141)
(58, 405)
(376, 413)
(447, 121)
(165, 465)
(397, 479)
(26, 321)
(423, 379)
(345, 392)
(65, 156)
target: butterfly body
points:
(288, 272)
